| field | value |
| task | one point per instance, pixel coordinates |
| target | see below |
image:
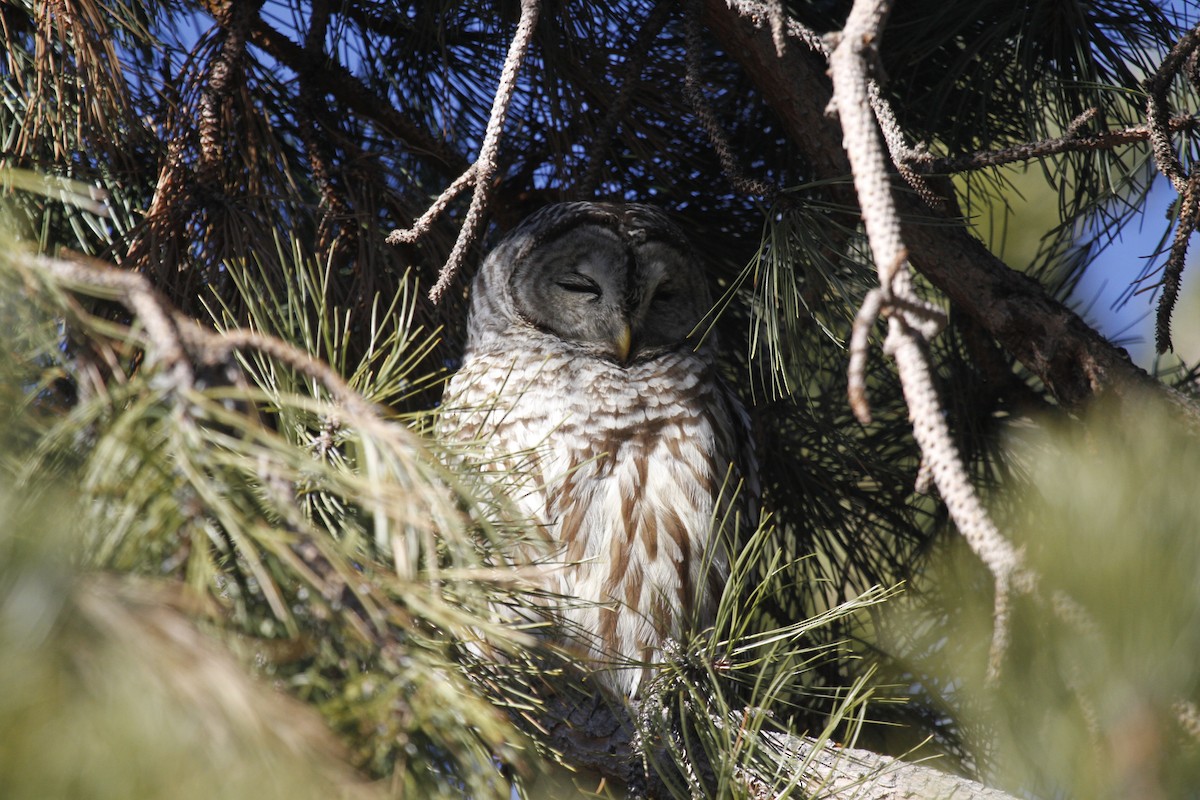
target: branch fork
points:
(480, 173)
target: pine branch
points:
(911, 322)
(1156, 108)
(1074, 361)
(598, 736)
(423, 223)
(333, 78)
(1189, 218)
(180, 479)
(485, 166)
(1169, 164)
(177, 344)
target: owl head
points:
(614, 281)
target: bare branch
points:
(485, 166)
(848, 65)
(631, 69)
(1071, 142)
(1189, 216)
(423, 223)
(757, 10)
(928, 319)
(902, 154)
(331, 77)
(910, 321)
(1156, 108)
(860, 346)
(693, 88)
(778, 25)
(1160, 143)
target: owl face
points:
(617, 282)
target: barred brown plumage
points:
(582, 377)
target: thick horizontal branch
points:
(600, 739)
(1073, 360)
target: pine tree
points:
(236, 249)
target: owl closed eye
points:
(609, 295)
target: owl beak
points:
(623, 342)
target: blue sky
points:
(1103, 294)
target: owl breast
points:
(626, 470)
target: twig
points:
(860, 137)
(331, 77)
(778, 18)
(423, 223)
(910, 320)
(902, 154)
(1028, 151)
(631, 69)
(692, 89)
(755, 10)
(1189, 216)
(860, 347)
(485, 166)
(1179, 59)
(928, 319)
(1156, 108)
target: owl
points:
(585, 376)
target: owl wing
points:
(738, 445)
(488, 414)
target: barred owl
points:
(583, 374)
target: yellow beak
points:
(623, 341)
